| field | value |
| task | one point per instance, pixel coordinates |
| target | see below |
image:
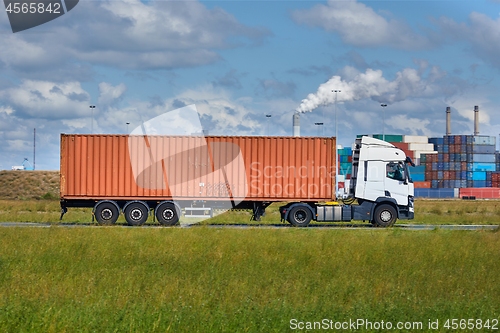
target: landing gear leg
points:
(258, 211)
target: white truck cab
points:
(381, 190)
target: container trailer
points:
(167, 176)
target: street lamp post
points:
(383, 120)
(268, 116)
(320, 124)
(336, 144)
(127, 125)
(92, 107)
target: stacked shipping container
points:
(345, 162)
(461, 161)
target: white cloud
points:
(109, 93)
(128, 34)
(359, 25)
(6, 109)
(481, 32)
(410, 125)
(44, 99)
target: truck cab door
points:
(397, 182)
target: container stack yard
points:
(461, 161)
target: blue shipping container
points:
(434, 193)
(483, 158)
(418, 177)
(479, 183)
(478, 175)
(484, 167)
(483, 149)
(484, 140)
(417, 169)
(436, 141)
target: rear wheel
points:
(300, 216)
(385, 216)
(106, 213)
(167, 213)
(136, 213)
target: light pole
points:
(336, 144)
(92, 107)
(383, 120)
(268, 116)
(320, 124)
(127, 125)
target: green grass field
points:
(210, 279)
(109, 279)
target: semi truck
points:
(167, 177)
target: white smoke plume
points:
(370, 84)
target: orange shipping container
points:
(123, 167)
(480, 192)
(425, 184)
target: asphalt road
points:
(259, 226)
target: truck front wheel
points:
(385, 216)
(300, 216)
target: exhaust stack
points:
(476, 120)
(448, 120)
(296, 124)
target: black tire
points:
(106, 213)
(167, 213)
(300, 216)
(136, 213)
(385, 216)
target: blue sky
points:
(240, 60)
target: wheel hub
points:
(168, 214)
(136, 214)
(106, 214)
(385, 216)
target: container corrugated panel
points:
(483, 149)
(418, 177)
(389, 137)
(483, 167)
(417, 169)
(483, 158)
(436, 193)
(478, 175)
(421, 146)
(345, 168)
(422, 184)
(484, 140)
(188, 167)
(481, 193)
(415, 139)
(436, 141)
(479, 183)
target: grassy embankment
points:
(233, 280)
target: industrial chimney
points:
(296, 124)
(476, 120)
(448, 120)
